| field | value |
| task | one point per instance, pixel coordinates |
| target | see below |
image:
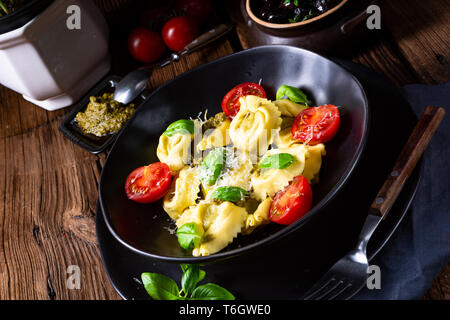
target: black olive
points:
(279, 16)
(266, 9)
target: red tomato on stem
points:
(231, 104)
(148, 184)
(292, 203)
(199, 10)
(178, 32)
(317, 124)
(145, 45)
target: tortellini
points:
(259, 217)
(255, 125)
(175, 151)
(269, 181)
(314, 162)
(184, 192)
(221, 224)
(289, 108)
(216, 137)
(261, 129)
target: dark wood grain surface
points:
(48, 186)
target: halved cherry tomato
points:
(231, 104)
(292, 203)
(148, 184)
(317, 124)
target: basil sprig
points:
(277, 161)
(232, 194)
(160, 287)
(213, 165)
(294, 94)
(190, 235)
(180, 126)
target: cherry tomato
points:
(146, 45)
(148, 184)
(316, 125)
(231, 104)
(199, 10)
(178, 32)
(292, 203)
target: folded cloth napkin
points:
(420, 248)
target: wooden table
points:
(48, 185)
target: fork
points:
(349, 275)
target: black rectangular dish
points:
(90, 142)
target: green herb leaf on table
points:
(160, 287)
(211, 291)
(277, 161)
(232, 194)
(180, 126)
(191, 276)
(294, 94)
(190, 235)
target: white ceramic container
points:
(49, 63)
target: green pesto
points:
(104, 115)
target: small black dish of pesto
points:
(96, 119)
(104, 115)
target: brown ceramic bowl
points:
(275, 28)
(334, 31)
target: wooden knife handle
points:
(407, 160)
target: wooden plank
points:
(440, 290)
(421, 31)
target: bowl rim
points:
(20, 17)
(286, 231)
(290, 25)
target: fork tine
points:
(319, 287)
(339, 292)
(349, 292)
(329, 290)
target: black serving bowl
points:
(23, 15)
(145, 228)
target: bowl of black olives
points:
(322, 26)
(276, 15)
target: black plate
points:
(22, 16)
(287, 268)
(144, 227)
(70, 129)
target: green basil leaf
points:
(180, 126)
(277, 161)
(233, 194)
(160, 287)
(213, 165)
(294, 94)
(201, 275)
(190, 278)
(184, 267)
(189, 235)
(211, 291)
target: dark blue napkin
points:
(420, 248)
